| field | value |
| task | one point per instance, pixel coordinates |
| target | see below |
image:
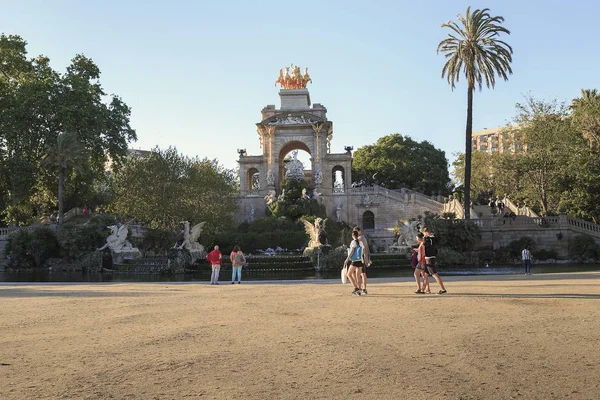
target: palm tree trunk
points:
(61, 182)
(468, 141)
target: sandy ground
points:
(503, 337)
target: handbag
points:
(245, 266)
(345, 274)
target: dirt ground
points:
(501, 337)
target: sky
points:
(196, 74)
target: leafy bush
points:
(30, 249)
(584, 247)
(334, 259)
(157, 241)
(513, 250)
(43, 245)
(544, 254)
(448, 256)
(457, 234)
(16, 249)
(77, 241)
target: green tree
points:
(550, 149)
(67, 154)
(397, 161)
(482, 171)
(475, 51)
(586, 115)
(166, 188)
(36, 103)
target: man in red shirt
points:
(214, 258)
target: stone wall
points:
(550, 233)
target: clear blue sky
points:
(197, 73)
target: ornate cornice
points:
(286, 119)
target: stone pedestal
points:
(128, 254)
(294, 99)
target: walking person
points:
(430, 242)
(419, 266)
(214, 258)
(366, 258)
(356, 263)
(526, 257)
(237, 262)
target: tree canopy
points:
(554, 168)
(166, 188)
(397, 161)
(36, 105)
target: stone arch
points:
(252, 179)
(338, 179)
(285, 149)
(368, 220)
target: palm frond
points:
(473, 49)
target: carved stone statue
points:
(338, 213)
(118, 244)
(294, 169)
(270, 197)
(189, 237)
(270, 177)
(317, 196)
(281, 197)
(318, 176)
(251, 214)
(316, 232)
(304, 194)
(408, 232)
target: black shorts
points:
(430, 264)
(357, 264)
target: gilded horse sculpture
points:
(280, 78)
(293, 80)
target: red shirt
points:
(214, 257)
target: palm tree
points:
(586, 115)
(474, 50)
(65, 155)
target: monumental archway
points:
(287, 149)
(296, 125)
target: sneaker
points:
(239, 282)
(356, 293)
(442, 292)
(364, 291)
(232, 283)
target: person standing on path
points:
(214, 258)
(526, 257)
(366, 258)
(237, 262)
(430, 242)
(356, 264)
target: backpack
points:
(357, 256)
(239, 259)
(414, 259)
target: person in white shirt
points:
(526, 257)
